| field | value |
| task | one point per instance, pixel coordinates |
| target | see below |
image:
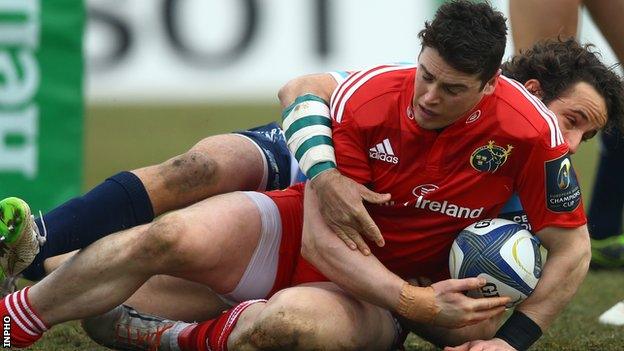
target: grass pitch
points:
(122, 138)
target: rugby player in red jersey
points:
(307, 316)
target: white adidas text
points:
(383, 152)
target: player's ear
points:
(534, 87)
(488, 88)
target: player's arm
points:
(569, 254)
(307, 126)
(307, 123)
(321, 85)
(550, 192)
(441, 304)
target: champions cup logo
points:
(563, 176)
(562, 190)
(490, 157)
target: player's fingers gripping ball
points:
(504, 253)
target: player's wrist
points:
(417, 303)
(519, 331)
(326, 176)
(322, 169)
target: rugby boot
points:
(123, 328)
(19, 241)
(608, 253)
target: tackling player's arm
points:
(569, 253)
(550, 192)
(307, 126)
(442, 304)
(321, 85)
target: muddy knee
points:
(284, 328)
(160, 243)
(295, 321)
(188, 171)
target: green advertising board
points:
(41, 100)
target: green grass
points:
(123, 138)
(577, 327)
(126, 137)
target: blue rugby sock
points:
(120, 202)
(607, 204)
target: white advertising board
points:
(172, 51)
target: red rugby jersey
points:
(441, 182)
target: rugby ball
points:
(501, 251)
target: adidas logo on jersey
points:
(383, 152)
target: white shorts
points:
(259, 277)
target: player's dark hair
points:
(558, 64)
(470, 37)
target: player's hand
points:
(482, 345)
(458, 310)
(341, 205)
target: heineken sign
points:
(41, 108)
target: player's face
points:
(443, 94)
(581, 112)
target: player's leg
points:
(207, 243)
(533, 20)
(317, 316)
(608, 17)
(312, 317)
(177, 299)
(160, 294)
(215, 165)
(255, 159)
(607, 204)
(278, 243)
(166, 296)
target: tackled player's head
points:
(571, 80)
(462, 49)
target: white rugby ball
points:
(501, 251)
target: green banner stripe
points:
(307, 122)
(12, 17)
(300, 99)
(319, 168)
(41, 156)
(312, 142)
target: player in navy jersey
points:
(487, 158)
